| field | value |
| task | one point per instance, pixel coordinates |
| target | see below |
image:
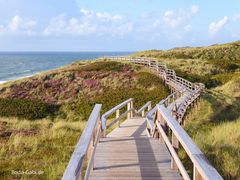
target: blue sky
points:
(110, 25)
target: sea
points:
(17, 65)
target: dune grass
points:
(46, 144)
(215, 129)
(40, 145)
(215, 126)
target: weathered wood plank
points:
(200, 162)
(128, 152)
(73, 170)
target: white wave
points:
(18, 78)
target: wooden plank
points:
(183, 96)
(173, 153)
(75, 164)
(199, 160)
(121, 154)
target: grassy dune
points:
(215, 127)
(42, 117)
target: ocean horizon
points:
(17, 65)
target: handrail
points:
(171, 116)
(147, 106)
(86, 145)
(202, 167)
(116, 109)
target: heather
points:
(42, 117)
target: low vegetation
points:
(60, 102)
(215, 127)
(43, 146)
(42, 117)
(28, 109)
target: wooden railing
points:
(163, 121)
(166, 119)
(144, 109)
(130, 112)
(96, 128)
(85, 148)
(116, 109)
(166, 126)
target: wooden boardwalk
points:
(128, 153)
(145, 147)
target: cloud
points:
(178, 18)
(194, 9)
(215, 27)
(18, 25)
(187, 27)
(89, 22)
(236, 17)
(173, 19)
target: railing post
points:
(117, 116)
(196, 174)
(162, 123)
(143, 113)
(103, 125)
(131, 105)
(128, 108)
(175, 144)
(149, 107)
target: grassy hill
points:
(42, 117)
(215, 127)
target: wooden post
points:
(175, 144)
(162, 123)
(196, 174)
(131, 106)
(149, 107)
(143, 113)
(128, 108)
(117, 116)
(90, 149)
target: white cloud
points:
(178, 18)
(187, 27)
(194, 9)
(215, 27)
(173, 20)
(18, 25)
(236, 17)
(88, 23)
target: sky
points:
(110, 25)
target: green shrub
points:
(27, 109)
(104, 66)
(147, 80)
(113, 97)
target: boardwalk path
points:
(128, 152)
(145, 146)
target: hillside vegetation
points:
(215, 127)
(42, 117)
(202, 63)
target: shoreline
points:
(39, 72)
(18, 78)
